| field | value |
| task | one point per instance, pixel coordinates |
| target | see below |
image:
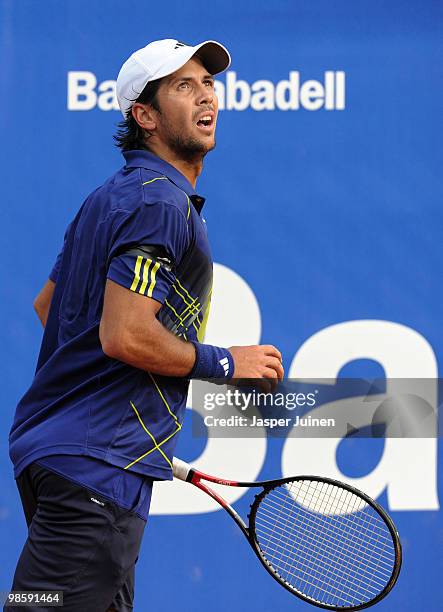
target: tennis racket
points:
(323, 540)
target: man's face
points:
(188, 111)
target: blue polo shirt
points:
(143, 230)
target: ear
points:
(145, 116)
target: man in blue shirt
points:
(124, 312)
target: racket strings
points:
(324, 570)
(371, 566)
(354, 540)
(325, 542)
(332, 566)
(325, 574)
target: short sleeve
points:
(147, 247)
(53, 275)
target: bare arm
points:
(130, 332)
(43, 300)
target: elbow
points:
(107, 341)
(40, 310)
(112, 347)
(113, 350)
(116, 344)
(124, 345)
(37, 305)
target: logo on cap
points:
(180, 44)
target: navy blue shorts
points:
(78, 542)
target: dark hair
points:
(130, 135)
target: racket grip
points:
(180, 468)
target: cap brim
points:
(215, 58)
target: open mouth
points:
(205, 121)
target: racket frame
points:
(195, 477)
(272, 484)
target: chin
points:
(210, 145)
(192, 148)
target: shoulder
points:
(157, 188)
(139, 194)
(137, 189)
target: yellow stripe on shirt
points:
(137, 267)
(145, 276)
(153, 280)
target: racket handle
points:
(180, 468)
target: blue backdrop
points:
(324, 214)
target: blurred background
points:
(324, 212)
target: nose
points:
(205, 94)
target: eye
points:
(184, 85)
(209, 82)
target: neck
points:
(190, 168)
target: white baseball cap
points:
(160, 58)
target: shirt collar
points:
(149, 161)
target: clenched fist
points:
(258, 361)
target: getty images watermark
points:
(397, 408)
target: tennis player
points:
(124, 311)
